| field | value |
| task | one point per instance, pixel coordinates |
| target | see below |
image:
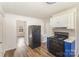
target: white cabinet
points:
(63, 20)
(71, 21)
(59, 21)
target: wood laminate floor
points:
(28, 52)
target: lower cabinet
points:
(69, 49)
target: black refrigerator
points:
(34, 36)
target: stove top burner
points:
(61, 35)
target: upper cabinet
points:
(71, 20)
(64, 19)
(59, 21)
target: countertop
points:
(70, 39)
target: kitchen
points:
(59, 31)
(64, 24)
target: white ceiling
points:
(36, 9)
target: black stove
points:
(55, 44)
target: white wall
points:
(10, 20)
(2, 31)
(10, 28)
(47, 30)
(77, 34)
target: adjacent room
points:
(39, 29)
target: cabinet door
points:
(71, 21)
(54, 22)
(51, 21)
(62, 20)
(59, 21)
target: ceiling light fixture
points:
(50, 2)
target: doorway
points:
(21, 28)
